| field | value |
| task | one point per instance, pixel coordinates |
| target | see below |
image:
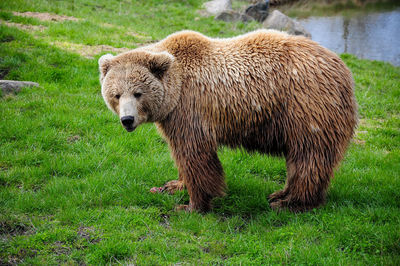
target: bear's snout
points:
(127, 122)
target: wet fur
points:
(264, 91)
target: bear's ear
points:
(104, 65)
(159, 63)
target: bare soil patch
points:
(73, 139)
(25, 26)
(13, 228)
(3, 72)
(88, 51)
(88, 233)
(60, 248)
(45, 16)
(7, 38)
(359, 141)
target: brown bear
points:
(265, 91)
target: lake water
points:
(372, 35)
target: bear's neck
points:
(172, 93)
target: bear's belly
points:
(263, 137)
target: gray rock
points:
(231, 16)
(246, 18)
(215, 7)
(14, 86)
(279, 21)
(258, 11)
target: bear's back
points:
(263, 61)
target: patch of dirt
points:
(206, 249)
(95, 7)
(61, 248)
(107, 25)
(371, 123)
(24, 26)
(18, 258)
(359, 142)
(45, 16)
(88, 51)
(164, 220)
(7, 38)
(3, 183)
(364, 127)
(4, 71)
(11, 228)
(87, 233)
(73, 139)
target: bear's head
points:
(139, 86)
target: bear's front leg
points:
(173, 186)
(203, 177)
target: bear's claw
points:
(183, 207)
(276, 196)
(282, 200)
(172, 186)
(156, 190)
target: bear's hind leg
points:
(306, 184)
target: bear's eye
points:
(137, 94)
(117, 96)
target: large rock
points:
(231, 16)
(258, 11)
(13, 86)
(279, 21)
(215, 7)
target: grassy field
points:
(74, 185)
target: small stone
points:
(232, 16)
(279, 21)
(217, 6)
(258, 11)
(246, 18)
(14, 86)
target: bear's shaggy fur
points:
(264, 91)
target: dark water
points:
(372, 35)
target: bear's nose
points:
(127, 121)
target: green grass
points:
(74, 186)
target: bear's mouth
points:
(130, 129)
